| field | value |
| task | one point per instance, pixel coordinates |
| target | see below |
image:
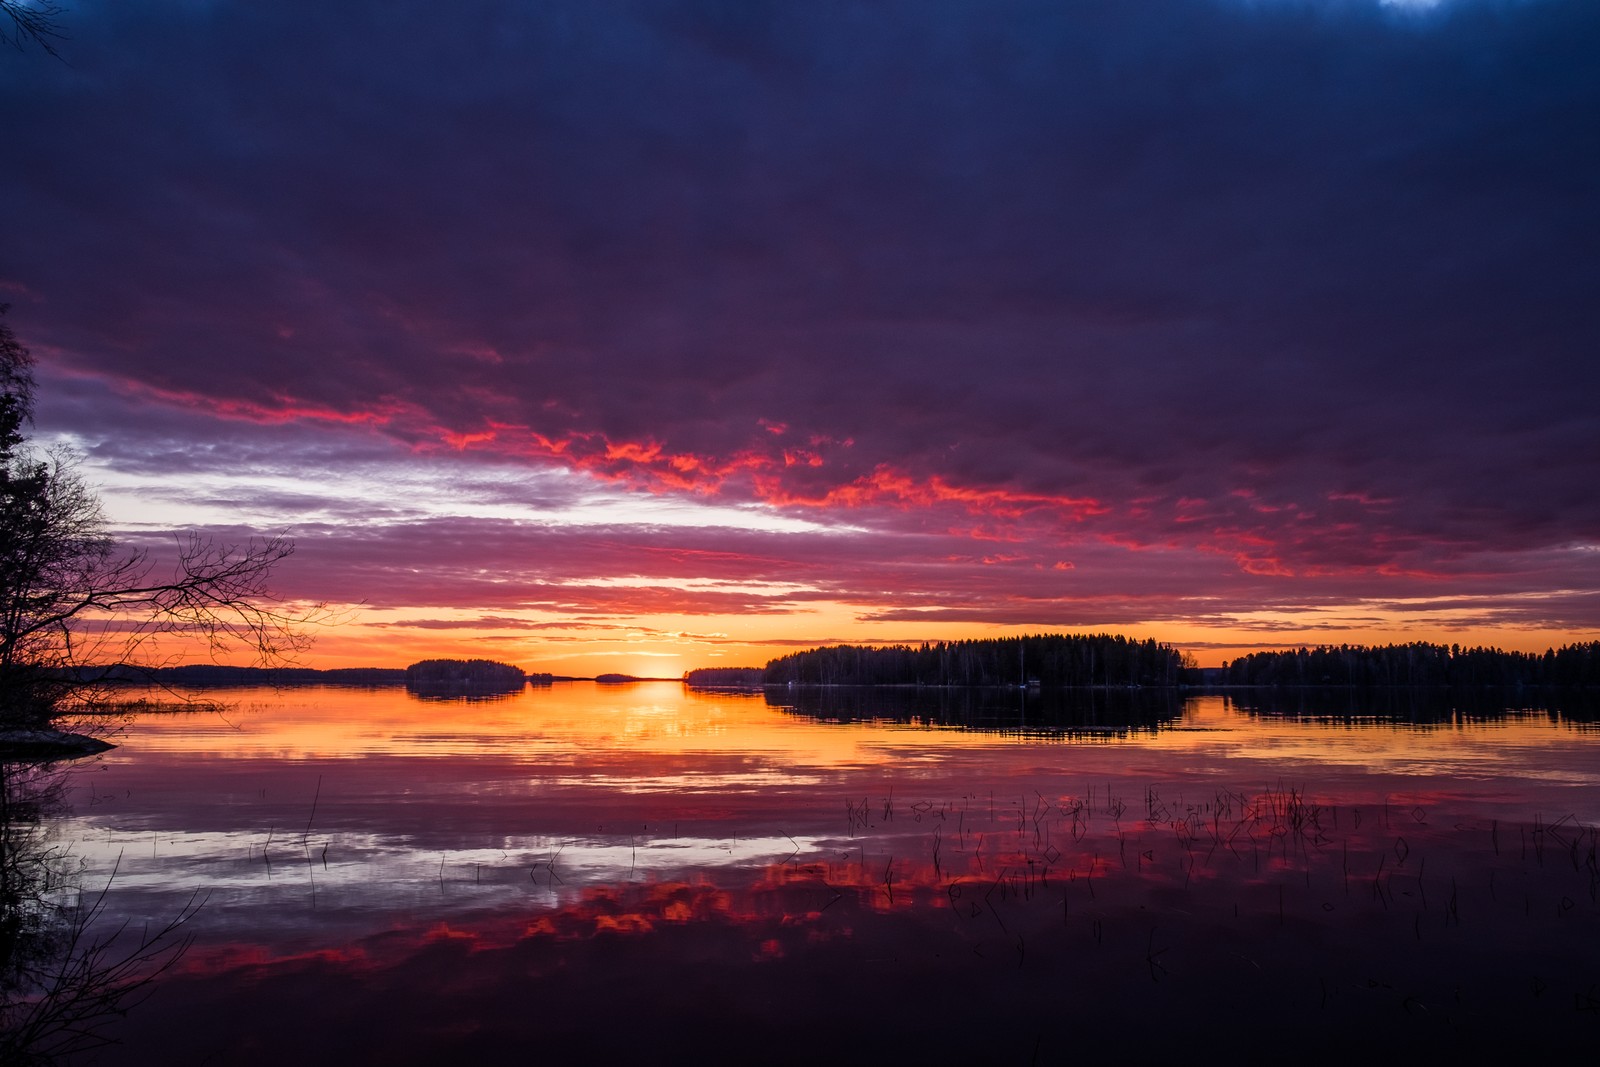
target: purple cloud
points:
(1232, 306)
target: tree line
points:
(1417, 664)
(219, 674)
(1082, 660)
(1049, 660)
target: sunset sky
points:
(636, 337)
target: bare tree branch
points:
(73, 608)
(32, 21)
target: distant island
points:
(424, 672)
(431, 672)
(428, 672)
(481, 673)
(208, 674)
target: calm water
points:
(866, 875)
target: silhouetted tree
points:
(70, 599)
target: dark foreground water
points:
(645, 873)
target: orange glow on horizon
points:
(665, 646)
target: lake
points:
(851, 875)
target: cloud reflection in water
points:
(999, 896)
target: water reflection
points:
(461, 690)
(1419, 706)
(1015, 711)
(646, 871)
(1124, 711)
(64, 974)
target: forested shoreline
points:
(1082, 661)
(1416, 664)
(1046, 660)
(425, 672)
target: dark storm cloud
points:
(1302, 286)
